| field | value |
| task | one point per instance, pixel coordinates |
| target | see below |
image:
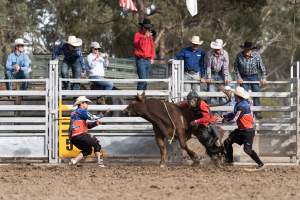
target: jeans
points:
(19, 75)
(190, 76)
(143, 71)
(76, 71)
(254, 87)
(213, 87)
(101, 85)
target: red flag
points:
(128, 5)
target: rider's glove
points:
(194, 123)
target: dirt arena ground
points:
(146, 181)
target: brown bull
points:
(166, 119)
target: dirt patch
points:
(130, 181)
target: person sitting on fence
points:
(97, 62)
(217, 68)
(78, 132)
(245, 132)
(72, 59)
(17, 65)
(248, 64)
(144, 51)
(194, 69)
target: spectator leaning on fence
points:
(17, 65)
(248, 65)
(72, 59)
(97, 62)
(194, 69)
(78, 132)
(217, 68)
(144, 51)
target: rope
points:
(174, 127)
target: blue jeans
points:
(143, 71)
(19, 75)
(76, 72)
(254, 87)
(101, 85)
(213, 87)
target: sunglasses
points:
(20, 45)
(97, 49)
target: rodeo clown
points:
(206, 130)
(78, 131)
(245, 132)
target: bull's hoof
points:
(196, 163)
(162, 165)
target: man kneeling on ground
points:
(78, 132)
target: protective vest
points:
(245, 120)
(77, 126)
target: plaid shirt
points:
(217, 64)
(249, 66)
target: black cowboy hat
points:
(146, 23)
(248, 45)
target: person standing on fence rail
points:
(248, 64)
(194, 69)
(72, 59)
(144, 51)
(97, 63)
(244, 134)
(78, 132)
(17, 65)
(217, 69)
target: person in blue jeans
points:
(249, 66)
(17, 65)
(72, 59)
(97, 63)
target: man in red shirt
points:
(144, 51)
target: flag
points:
(128, 5)
(192, 7)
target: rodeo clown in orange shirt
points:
(78, 131)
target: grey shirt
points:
(217, 63)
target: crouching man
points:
(204, 127)
(245, 132)
(78, 132)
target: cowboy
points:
(245, 132)
(194, 69)
(217, 68)
(248, 64)
(78, 132)
(144, 51)
(17, 65)
(205, 125)
(97, 63)
(72, 59)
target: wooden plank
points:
(24, 119)
(22, 93)
(23, 107)
(22, 127)
(113, 92)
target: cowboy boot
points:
(75, 160)
(99, 159)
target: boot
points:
(99, 159)
(75, 160)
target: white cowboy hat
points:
(241, 92)
(74, 41)
(95, 45)
(19, 41)
(81, 99)
(217, 44)
(196, 40)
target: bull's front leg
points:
(159, 138)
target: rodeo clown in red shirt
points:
(78, 131)
(245, 132)
(204, 127)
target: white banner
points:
(192, 7)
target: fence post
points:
(298, 109)
(53, 111)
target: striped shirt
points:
(217, 63)
(249, 66)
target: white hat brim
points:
(78, 43)
(198, 43)
(213, 45)
(82, 100)
(245, 95)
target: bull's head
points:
(136, 107)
